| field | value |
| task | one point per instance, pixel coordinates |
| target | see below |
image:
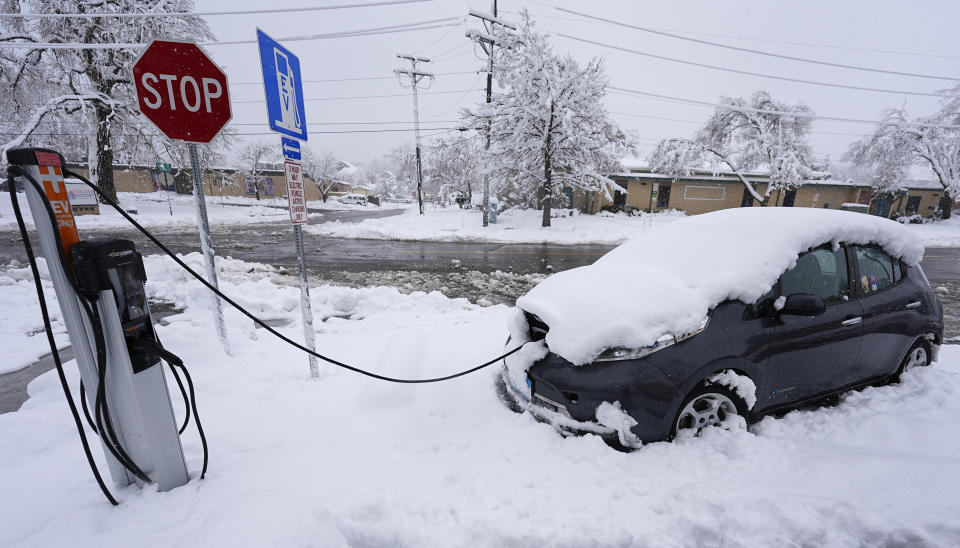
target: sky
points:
(918, 37)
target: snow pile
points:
(349, 461)
(153, 209)
(23, 337)
(512, 226)
(939, 233)
(665, 281)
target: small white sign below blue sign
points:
(291, 148)
(282, 87)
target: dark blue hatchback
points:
(843, 317)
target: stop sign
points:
(181, 91)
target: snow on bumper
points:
(548, 411)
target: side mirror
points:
(803, 304)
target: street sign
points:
(163, 167)
(282, 87)
(295, 192)
(291, 149)
(182, 91)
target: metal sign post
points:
(297, 204)
(183, 92)
(206, 246)
(283, 91)
(164, 169)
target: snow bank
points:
(348, 461)
(23, 337)
(512, 226)
(938, 233)
(665, 281)
(153, 209)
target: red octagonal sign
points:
(181, 91)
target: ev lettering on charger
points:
(51, 178)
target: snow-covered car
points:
(355, 199)
(737, 313)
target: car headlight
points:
(618, 353)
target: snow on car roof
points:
(666, 280)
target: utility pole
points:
(415, 77)
(486, 41)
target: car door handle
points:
(914, 304)
(851, 321)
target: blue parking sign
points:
(282, 87)
(291, 148)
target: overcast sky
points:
(918, 37)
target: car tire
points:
(708, 405)
(504, 395)
(918, 356)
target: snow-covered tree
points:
(548, 127)
(83, 94)
(453, 167)
(322, 168)
(253, 155)
(744, 135)
(899, 143)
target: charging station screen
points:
(128, 289)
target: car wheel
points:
(709, 405)
(505, 396)
(917, 357)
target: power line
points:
(363, 96)
(379, 130)
(701, 122)
(140, 15)
(390, 29)
(357, 79)
(670, 98)
(769, 40)
(748, 73)
(756, 51)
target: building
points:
(703, 191)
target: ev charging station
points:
(116, 343)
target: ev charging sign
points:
(282, 87)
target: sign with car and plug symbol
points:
(282, 87)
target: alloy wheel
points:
(710, 409)
(916, 358)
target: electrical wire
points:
(390, 29)
(351, 97)
(756, 51)
(766, 40)
(141, 15)
(747, 72)
(355, 79)
(263, 324)
(672, 99)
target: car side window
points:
(877, 270)
(821, 272)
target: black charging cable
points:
(263, 324)
(54, 351)
(101, 406)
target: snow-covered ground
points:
(523, 226)
(153, 209)
(939, 234)
(350, 461)
(512, 226)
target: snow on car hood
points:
(665, 281)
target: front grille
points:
(538, 328)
